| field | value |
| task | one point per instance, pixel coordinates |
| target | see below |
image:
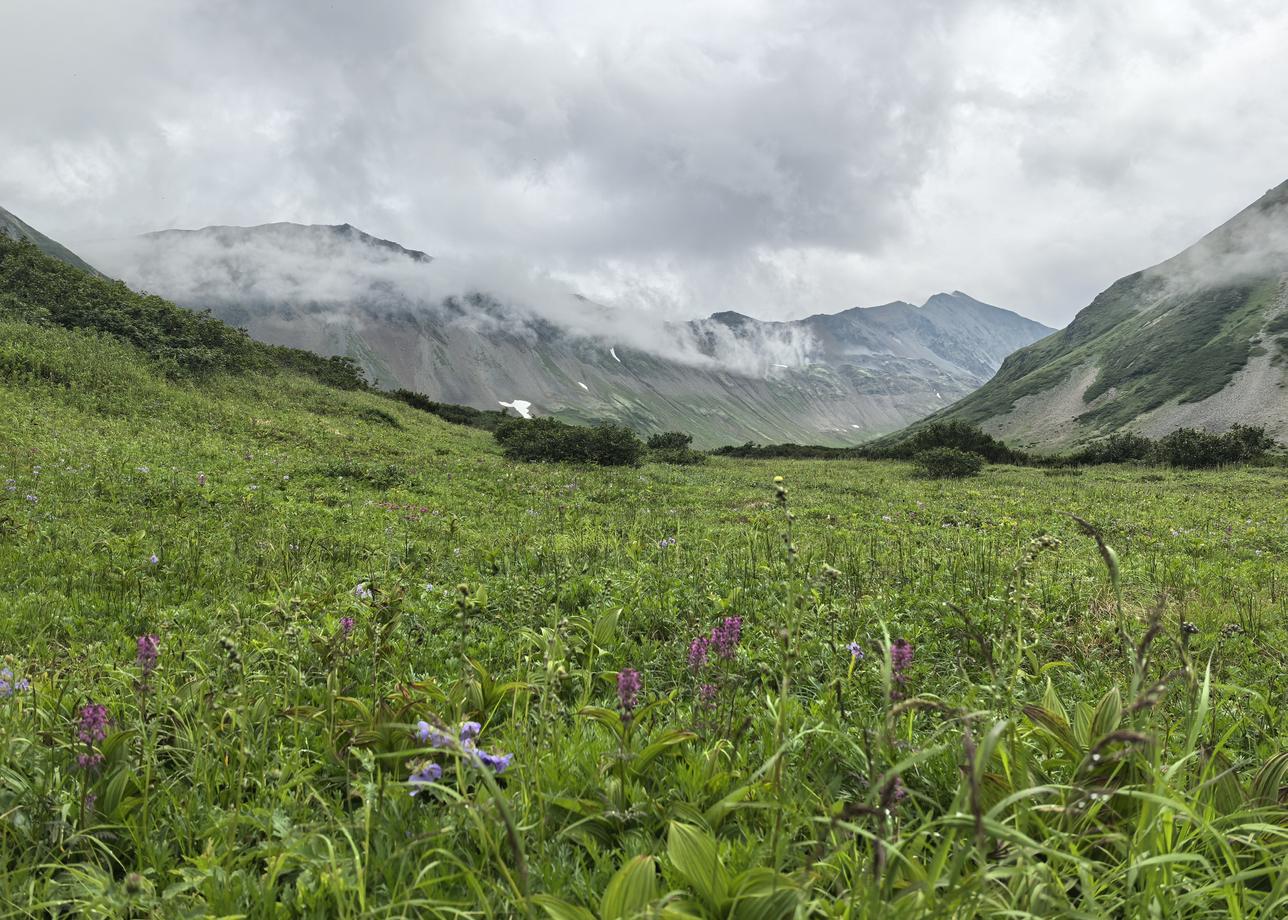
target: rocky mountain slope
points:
(481, 339)
(1200, 340)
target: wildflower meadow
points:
(268, 653)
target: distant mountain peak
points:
(282, 232)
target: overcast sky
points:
(775, 158)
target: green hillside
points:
(1156, 346)
(1017, 733)
(14, 228)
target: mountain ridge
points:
(1197, 340)
(479, 341)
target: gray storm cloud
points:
(679, 158)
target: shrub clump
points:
(958, 436)
(673, 447)
(948, 463)
(1194, 449)
(450, 412)
(552, 441)
(1123, 447)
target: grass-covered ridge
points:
(699, 693)
(1173, 334)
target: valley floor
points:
(925, 706)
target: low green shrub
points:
(948, 463)
(669, 440)
(449, 412)
(1194, 449)
(550, 440)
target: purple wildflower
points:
(94, 720)
(88, 761)
(725, 637)
(346, 626)
(362, 592)
(153, 559)
(628, 689)
(428, 734)
(856, 651)
(32, 498)
(8, 685)
(428, 773)
(699, 648)
(707, 695)
(470, 731)
(149, 649)
(497, 762)
(900, 661)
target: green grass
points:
(1058, 747)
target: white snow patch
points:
(613, 352)
(583, 386)
(856, 426)
(778, 365)
(521, 406)
(937, 396)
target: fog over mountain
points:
(483, 332)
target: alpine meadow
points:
(269, 627)
(587, 553)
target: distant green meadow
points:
(698, 692)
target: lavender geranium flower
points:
(154, 559)
(496, 762)
(362, 592)
(428, 734)
(9, 686)
(856, 651)
(628, 689)
(428, 772)
(470, 731)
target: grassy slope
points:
(12, 226)
(240, 780)
(1151, 342)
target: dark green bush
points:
(1123, 447)
(948, 463)
(1194, 449)
(669, 440)
(959, 436)
(550, 440)
(449, 412)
